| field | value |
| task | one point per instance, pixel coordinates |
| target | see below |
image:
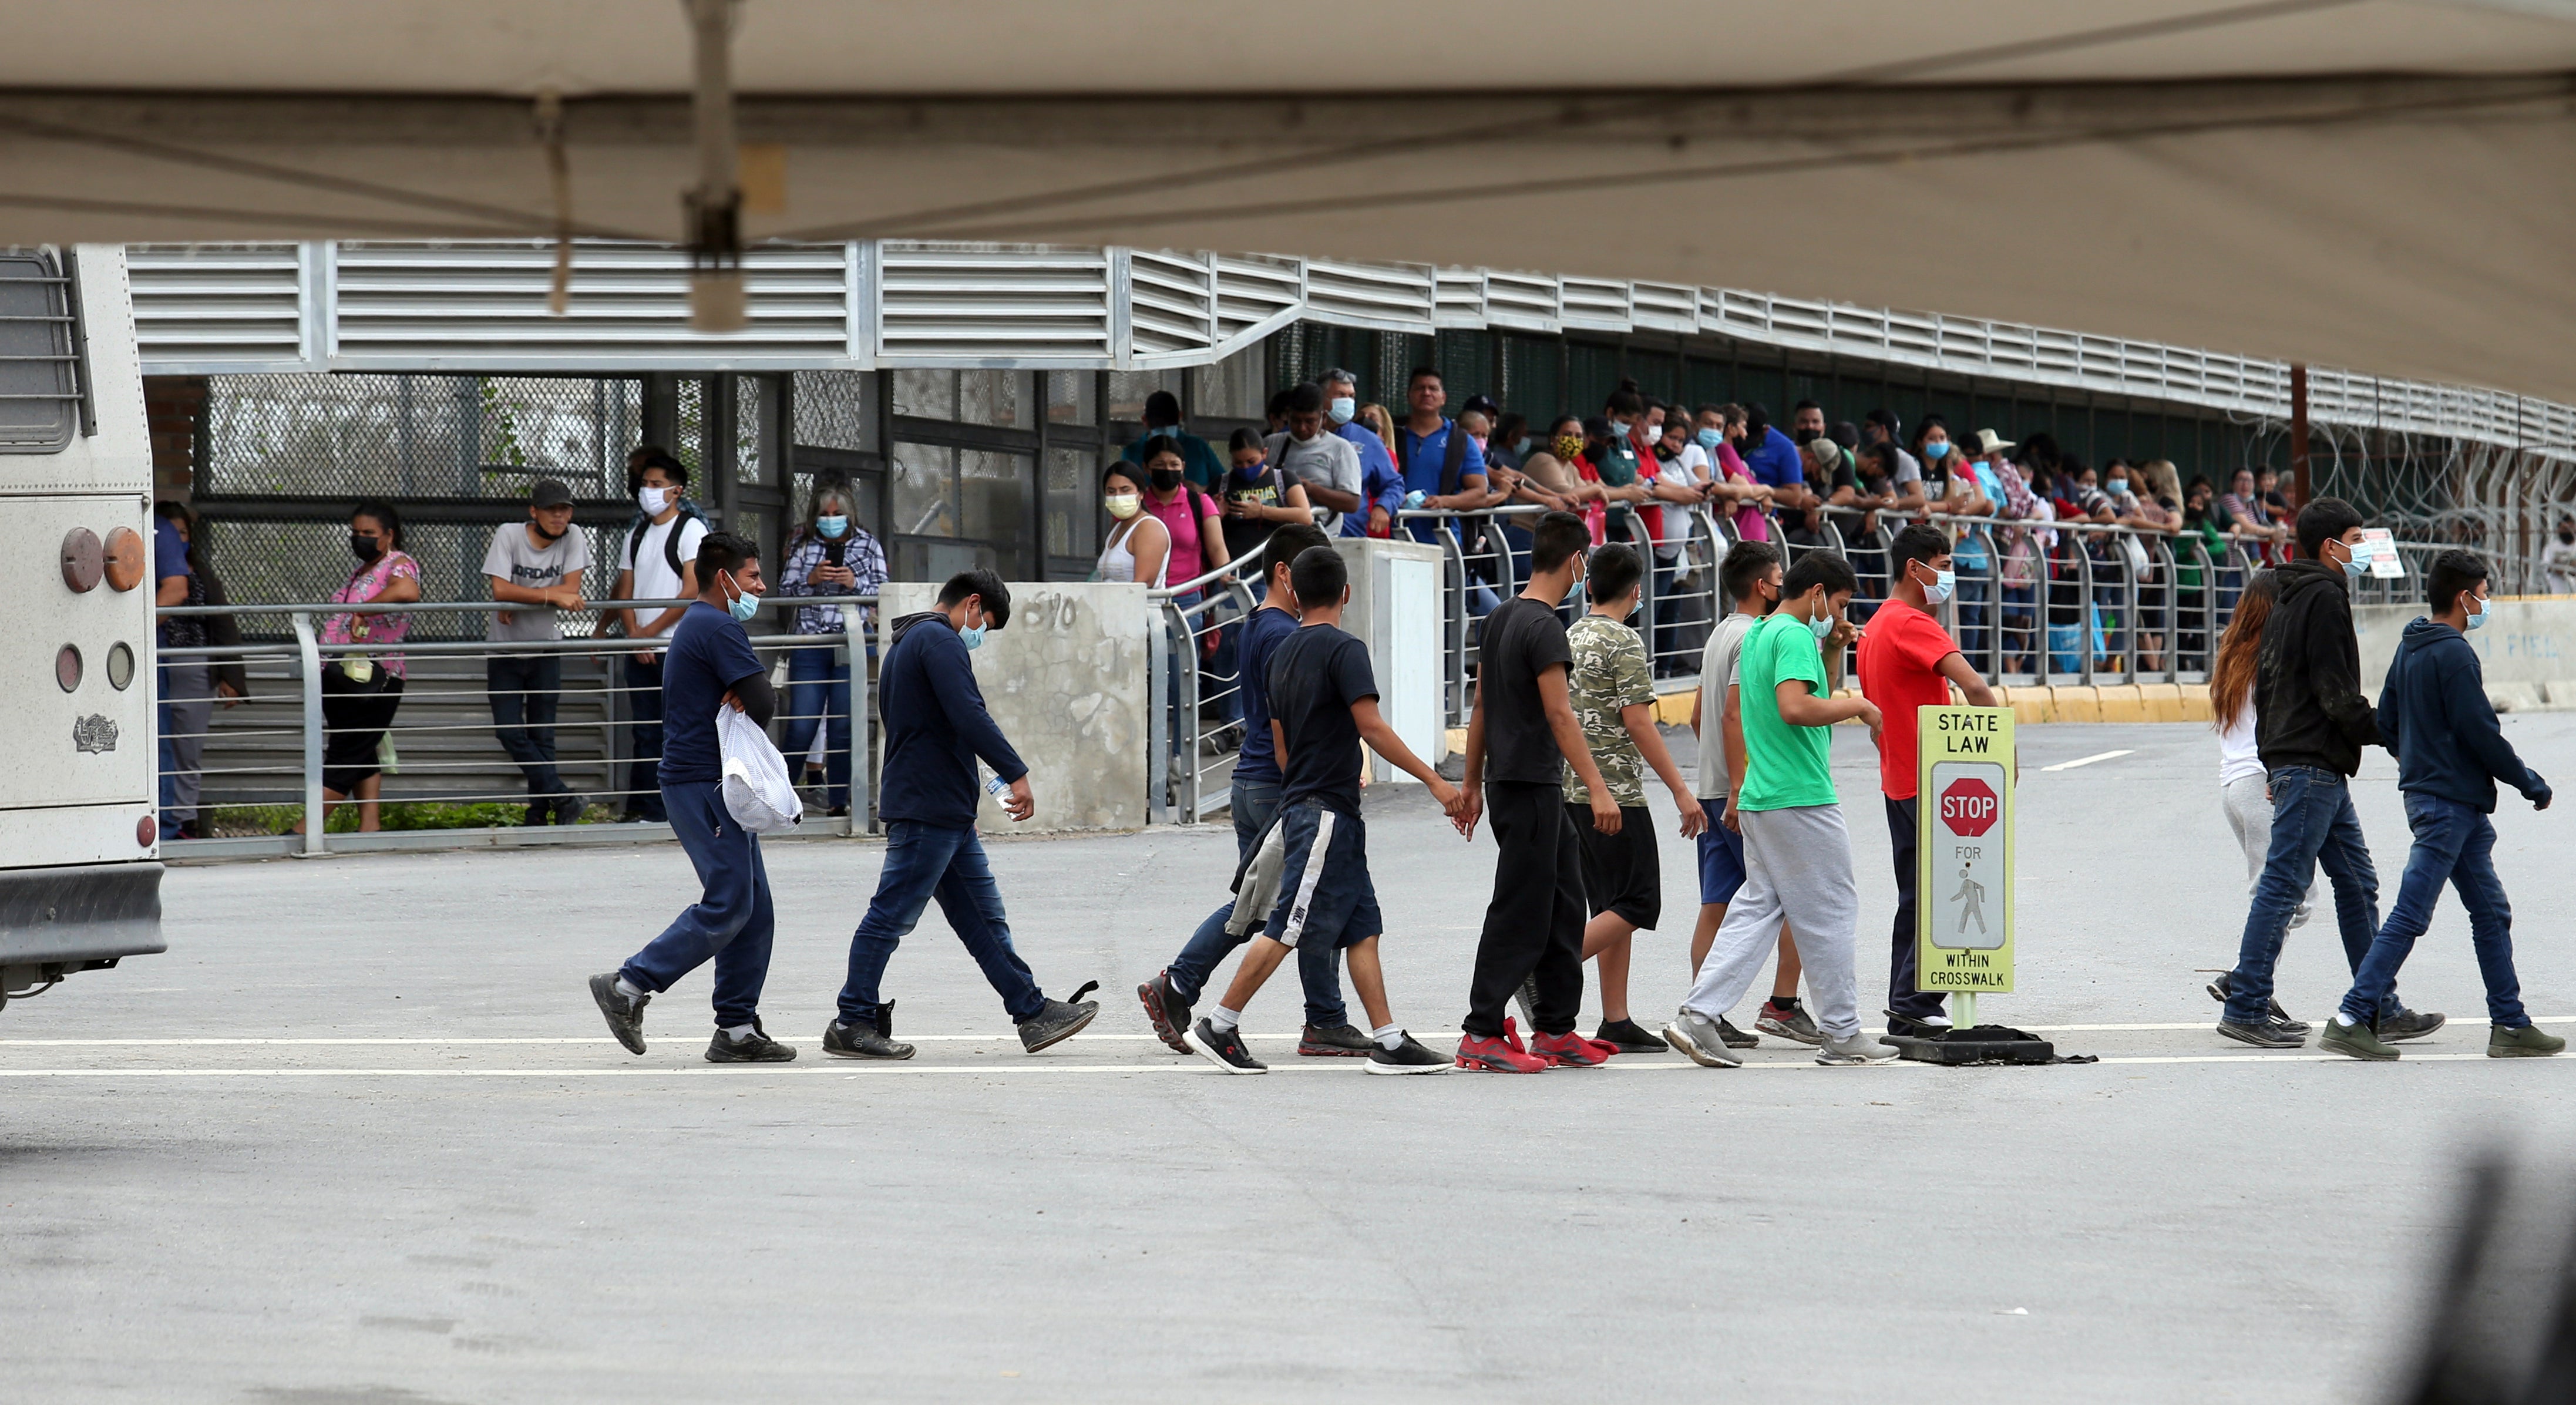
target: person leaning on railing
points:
(536, 563)
(191, 687)
(361, 692)
(831, 554)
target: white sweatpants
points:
(2248, 800)
(1798, 869)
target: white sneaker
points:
(1694, 1036)
(1859, 1047)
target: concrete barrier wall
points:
(1066, 681)
(2528, 652)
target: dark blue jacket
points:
(935, 727)
(2434, 714)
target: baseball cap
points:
(549, 492)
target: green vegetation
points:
(232, 821)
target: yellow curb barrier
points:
(2108, 702)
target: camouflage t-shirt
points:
(1609, 673)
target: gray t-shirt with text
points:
(523, 563)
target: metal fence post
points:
(308, 653)
(1158, 765)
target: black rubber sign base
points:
(1985, 1044)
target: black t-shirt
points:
(1267, 487)
(1315, 676)
(1522, 639)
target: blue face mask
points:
(1342, 408)
(832, 527)
(1710, 438)
(1940, 589)
(1821, 625)
(1520, 447)
(1936, 450)
(2479, 620)
(2356, 562)
(972, 637)
(743, 605)
(2115, 486)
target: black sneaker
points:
(865, 1041)
(2407, 1024)
(540, 811)
(1733, 1038)
(1628, 1038)
(758, 1048)
(1340, 1042)
(1408, 1056)
(1224, 1050)
(1059, 1020)
(1166, 1011)
(569, 808)
(625, 1016)
(2270, 1034)
(2218, 991)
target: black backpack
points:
(639, 524)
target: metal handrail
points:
(472, 607)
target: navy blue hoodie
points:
(2434, 714)
(935, 727)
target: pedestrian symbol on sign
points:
(1971, 898)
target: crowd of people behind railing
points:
(2086, 564)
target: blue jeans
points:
(644, 739)
(525, 691)
(730, 922)
(924, 861)
(818, 695)
(2313, 826)
(1318, 963)
(2456, 845)
(166, 752)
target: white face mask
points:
(654, 501)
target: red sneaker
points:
(1572, 1049)
(1497, 1056)
(1512, 1040)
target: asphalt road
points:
(359, 1137)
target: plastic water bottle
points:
(1000, 788)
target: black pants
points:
(354, 719)
(1534, 927)
(1902, 997)
(644, 740)
(524, 690)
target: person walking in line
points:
(936, 728)
(1255, 797)
(1612, 691)
(710, 665)
(1520, 738)
(2433, 713)
(831, 554)
(2243, 791)
(537, 563)
(1908, 662)
(2311, 723)
(1323, 704)
(654, 564)
(1797, 853)
(1750, 576)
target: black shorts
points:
(1621, 872)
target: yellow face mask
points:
(1121, 505)
(1569, 446)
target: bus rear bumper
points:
(81, 917)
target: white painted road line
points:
(2088, 760)
(1003, 1070)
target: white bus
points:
(80, 870)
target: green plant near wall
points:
(501, 421)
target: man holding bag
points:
(710, 666)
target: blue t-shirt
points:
(1260, 635)
(709, 654)
(1424, 456)
(1775, 462)
(1379, 482)
(169, 559)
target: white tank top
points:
(1118, 560)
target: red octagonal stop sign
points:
(1969, 807)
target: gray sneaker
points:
(1861, 1047)
(1695, 1036)
(1793, 1023)
(1057, 1021)
(1527, 998)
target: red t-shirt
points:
(1900, 655)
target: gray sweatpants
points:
(2249, 812)
(1798, 869)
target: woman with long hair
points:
(831, 554)
(362, 691)
(2243, 791)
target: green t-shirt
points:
(1609, 674)
(1785, 767)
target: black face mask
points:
(365, 548)
(2568, 535)
(1166, 479)
(1808, 436)
(540, 529)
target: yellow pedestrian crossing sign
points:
(1963, 892)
